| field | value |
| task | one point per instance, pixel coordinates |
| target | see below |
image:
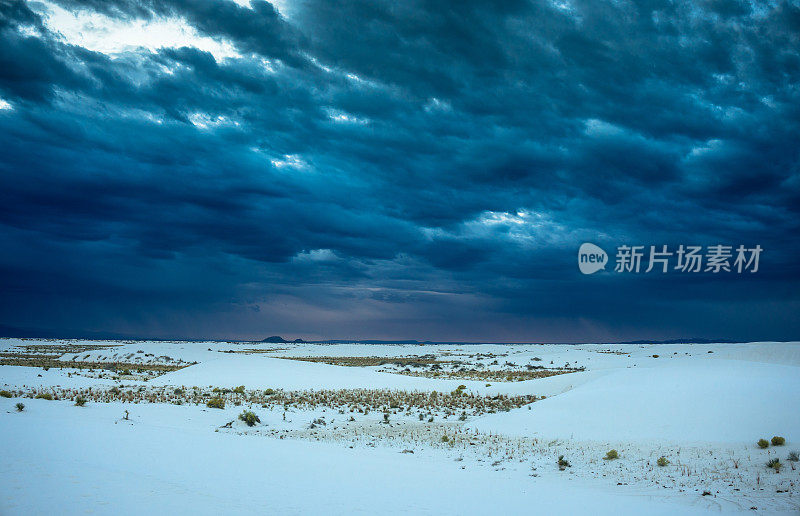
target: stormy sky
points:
(396, 169)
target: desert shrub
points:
(775, 464)
(45, 396)
(239, 389)
(563, 463)
(216, 403)
(763, 443)
(459, 390)
(20, 407)
(778, 441)
(80, 401)
(611, 455)
(6, 394)
(178, 392)
(269, 392)
(250, 418)
(662, 461)
(445, 439)
(793, 457)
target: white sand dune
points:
(702, 406)
(89, 462)
(710, 400)
(259, 372)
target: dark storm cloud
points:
(400, 169)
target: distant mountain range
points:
(16, 332)
(279, 339)
(681, 341)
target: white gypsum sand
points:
(337, 439)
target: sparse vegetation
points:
(353, 400)
(662, 461)
(611, 455)
(44, 396)
(793, 457)
(563, 463)
(20, 407)
(6, 394)
(80, 401)
(239, 389)
(48, 361)
(250, 418)
(778, 441)
(217, 403)
(763, 443)
(459, 390)
(430, 366)
(775, 464)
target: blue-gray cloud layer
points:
(412, 169)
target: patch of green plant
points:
(763, 443)
(611, 455)
(445, 439)
(775, 464)
(662, 461)
(563, 463)
(80, 401)
(44, 396)
(778, 441)
(250, 418)
(6, 394)
(269, 392)
(216, 403)
(20, 407)
(793, 457)
(459, 390)
(239, 389)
